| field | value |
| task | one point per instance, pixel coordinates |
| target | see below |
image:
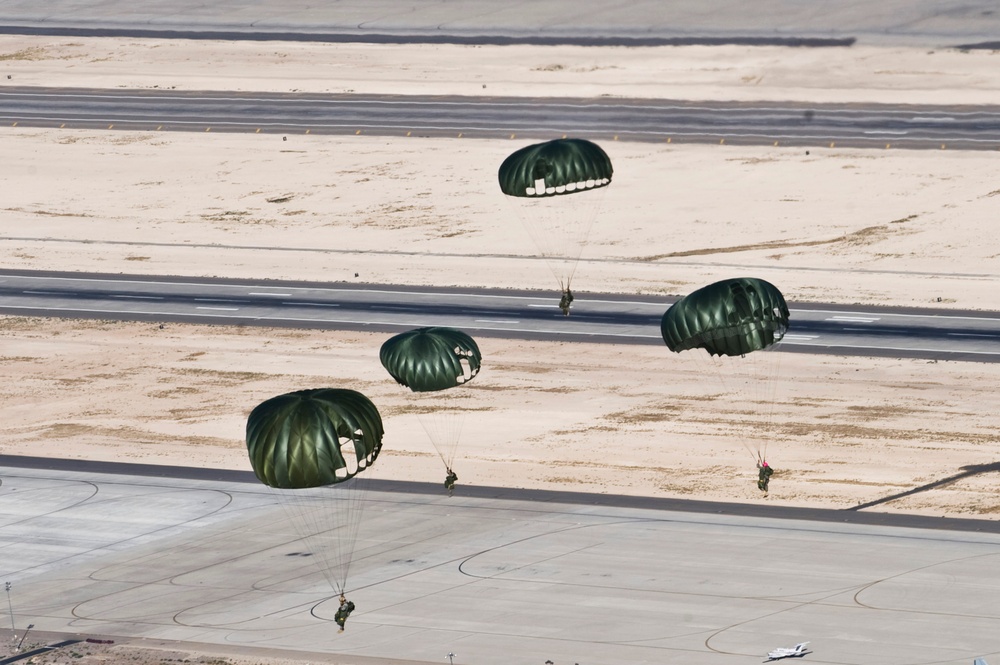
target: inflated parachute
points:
(562, 166)
(728, 318)
(312, 438)
(557, 189)
(431, 360)
(731, 328)
(315, 448)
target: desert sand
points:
(900, 228)
(903, 75)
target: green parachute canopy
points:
(431, 359)
(312, 438)
(729, 318)
(562, 166)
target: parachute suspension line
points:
(771, 359)
(764, 370)
(355, 497)
(756, 370)
(444, 431)
(313, 525)
(327, 520)
(589, 217)
(732, 389)
(560, 228)
(442, 421)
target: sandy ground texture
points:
(901, 228)
(884, 74)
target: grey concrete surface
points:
(492, 581)
(935, 23)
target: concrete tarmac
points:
(491, 580)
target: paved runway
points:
(492, 580)
(785, 123)
(604, 318)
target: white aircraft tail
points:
(979, 661)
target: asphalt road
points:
(606, 318)
(868, 125)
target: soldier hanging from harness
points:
(449, 481)
(763, 475)
(566, 301)
(346, 607)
